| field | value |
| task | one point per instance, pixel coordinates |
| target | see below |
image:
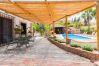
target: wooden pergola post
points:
(66, 29)
(97, 16)
(53, 27)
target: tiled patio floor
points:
(41, 53)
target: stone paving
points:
(40, 53)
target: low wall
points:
(90, 55)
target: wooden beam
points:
(15, 14)
(30, 14)
(9, 1)
(4, 1)
(37, 2)
(77, 12)
(50, 13)
(66, 29)
(59, 18)
(26, 12)
(83, 9)
(97, 16)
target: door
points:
(6, 30)
(1, 30)
(23, 27)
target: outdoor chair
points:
(11, 43)
(23, 41)
(29, 38)
(15, 41)
(20, 41)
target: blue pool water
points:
(74, 36)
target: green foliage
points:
(87, 47)
(87, 29)
(57, 40)
(88, 15)
(75, 24)
(54, 39)
(39, 28)
(74, 45)
(60, 41)
(50, 38)
(84, 28)
(47, 28)
(62, 23)
(17, 29)
(35, 26)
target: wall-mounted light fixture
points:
(28, 27)
(17, 25)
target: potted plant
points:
(29, 31)
(17, 30)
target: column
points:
(53, 27)
(66, 29)
(97, 17)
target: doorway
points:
(23, 27)
(6, 30)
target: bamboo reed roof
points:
(44, 11)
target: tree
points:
(47, 28)
(88, 15)
(62, 23)
(76, 19)
(75, 24)
(39, 28)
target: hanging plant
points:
(17, 30)
(29, 31)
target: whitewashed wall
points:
(18, 21)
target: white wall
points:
(17, 22)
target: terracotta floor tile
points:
(41, 53)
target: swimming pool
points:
(74, 36)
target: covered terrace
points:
(48, 12)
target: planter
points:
(93, 56)
(17, 35)
(17, 32)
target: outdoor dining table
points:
(20, 42)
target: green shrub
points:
(50, 37)
(60, 41)
(17, 29)
(55, 39)
(87, 47)
(74, 45)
